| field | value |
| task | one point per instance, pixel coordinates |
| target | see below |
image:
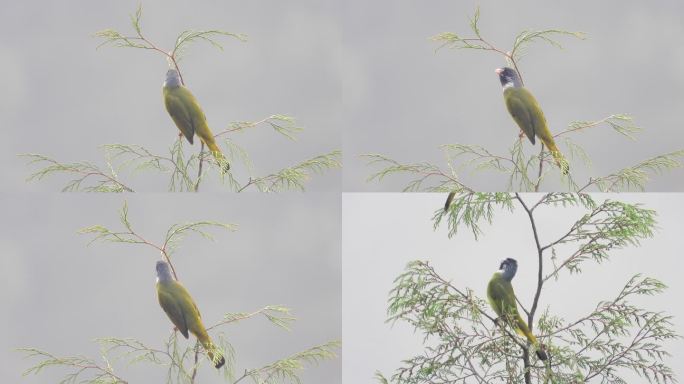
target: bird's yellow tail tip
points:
(220, 159)
(561, 162)
(223, 163)
(219, 361)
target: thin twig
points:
(199, 168)
(194, 367)
(541, 167)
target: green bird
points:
(176, 301)
(502, 298)
(188, 115)
(527, 113)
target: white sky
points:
(382, 232)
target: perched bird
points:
(188, 115)
(527, 113)
(449, 199)
(502, 299)
(182, 311)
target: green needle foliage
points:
(524, 172)
(464, 344)
(185, 172)
(117, 39)
(180, 359)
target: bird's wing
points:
(502, 297)
(173, 308)
(495, 294)
(537, 117)
(197, 310)
(192, 317)
(177, 105)
(519, 108)
(508, 298)
(510, 308)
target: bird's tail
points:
(215, 354)
(523, 330)
(449, 199)
(216, 357)
(561, 162)
(218, 155)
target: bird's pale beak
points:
(498, 71)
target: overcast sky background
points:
(383, 232)
(358, 75)
(58, 294)
(403, 100)
(63, 98)
(361, 76)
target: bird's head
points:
(172, 78)
(163, 271)
(508, 268)
(508, 77)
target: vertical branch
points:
(540, 252)
(172, 58)
(194, 367)
(527, 366)
(541, 167)
(540, 282)
(166, 258)
(173, 269)
(509, 56)
(199, 169)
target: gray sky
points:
(383, 232)
(64, 99)
(60, 294)
(358, 75)
(361, 76)
(403, 100)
